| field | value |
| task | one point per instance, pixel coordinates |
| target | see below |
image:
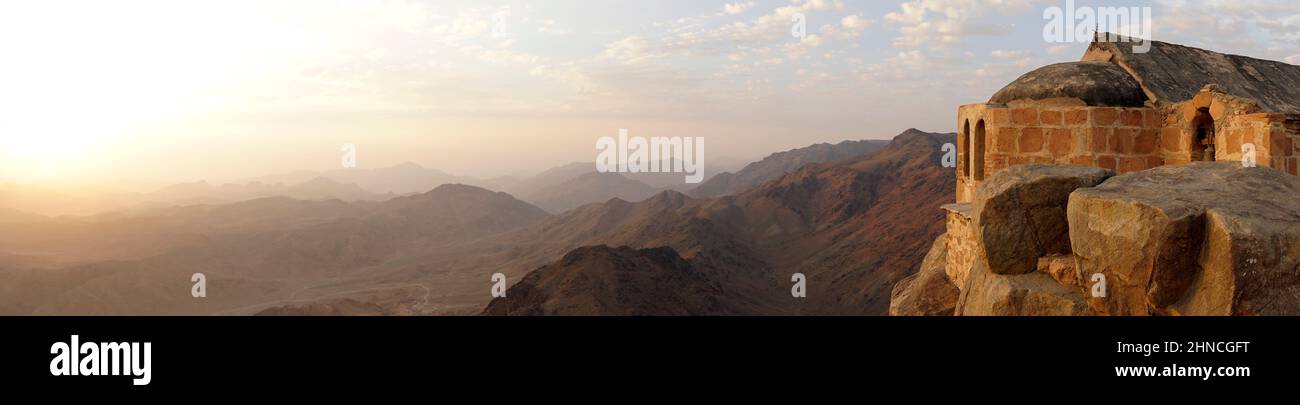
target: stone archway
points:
(977, 153)
(1203, 148)
(964, 148)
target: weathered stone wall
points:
(1238, 130)
(1114, 138)
(1237, 122)
(968, 117)
(1119, 139)
(1288, 157)
(1277, 140)
(961, 243)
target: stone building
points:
(1127, 111)
(1037, 220)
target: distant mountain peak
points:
(778, 164)
(614, 281)
(318, 180)
(913, 136)
(458, 188)
(672, 197)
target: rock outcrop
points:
(928, 292)
(1019, 213)
(1195, 239)
(1033, 294)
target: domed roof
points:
(1101, 84)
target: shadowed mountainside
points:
(599, 280)
(852, 228)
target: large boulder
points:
(1019, 214)
(1196, 239)
(929, 292)
(1033, 294)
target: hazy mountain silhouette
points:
(778, 164)
(317, 188)
(404, 178)
(853, 227)
(259, 251)
(46, 202)
(588, 188)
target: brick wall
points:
(1288, 159)
(1237, 130)
(1120, 139)
(961, 244)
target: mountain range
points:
(852, 227)
(778, 164)
(556, 190)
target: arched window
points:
(1202, 136)
(977, 152)
(965, 149)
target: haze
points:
(170, 91)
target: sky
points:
(187, 90)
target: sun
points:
(46, 150)
(39, 134)
(75, 86)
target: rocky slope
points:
(600, 280)
(852, 228)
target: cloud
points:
(632, 50)
(1058, 50)
(856, 22)
(1008, 54)
(1261, 28)
(737, 8)
(549, 27)
(501, 54)
(469, 24)
(946, 23)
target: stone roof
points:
(1175, 73)
(1099, 84)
